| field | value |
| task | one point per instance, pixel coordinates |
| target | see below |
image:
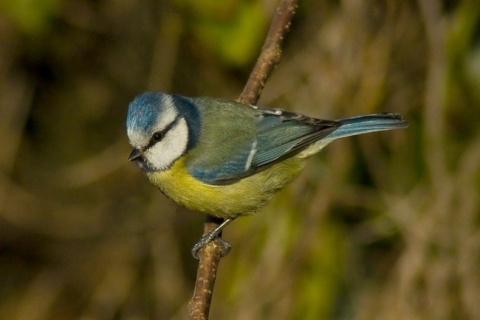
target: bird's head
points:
(161, 128)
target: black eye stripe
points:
(159, 135)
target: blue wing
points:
(250, 139)
(278, 135)
(282, 134)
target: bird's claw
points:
(225, 246)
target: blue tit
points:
(227, 159)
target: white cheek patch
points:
(173, 146)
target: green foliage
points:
(233, 30)
(320, 283)
(31, 16)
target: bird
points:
(226, 159)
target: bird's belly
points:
(231, 200)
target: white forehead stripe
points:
(168, 115)
(136, 138)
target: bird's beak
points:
(135, 154)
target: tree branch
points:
(210, 255)
(271, 52)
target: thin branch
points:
(210, 255)
(209, 258)
(270, 54)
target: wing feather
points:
(251, 139)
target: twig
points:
(209, 258)
(210, 255)
(270, 54)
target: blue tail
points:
(369, 123)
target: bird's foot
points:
(214, 235)
(211, 236)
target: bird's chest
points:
(231, 200)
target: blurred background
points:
(382, 226)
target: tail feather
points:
(368, 123)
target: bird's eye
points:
(157, 136)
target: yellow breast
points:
(243, 197)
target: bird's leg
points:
(213, 235)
